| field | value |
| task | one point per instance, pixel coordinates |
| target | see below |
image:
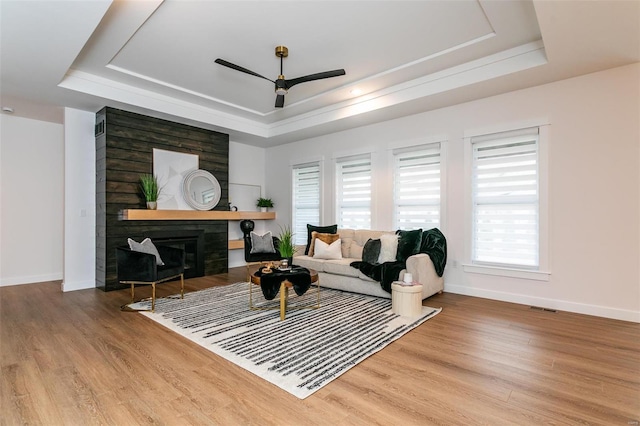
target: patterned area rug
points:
(301, 354)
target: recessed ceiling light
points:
(355, 92)
(8, 110)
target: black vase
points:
(247, 226)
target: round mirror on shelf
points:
(201, 190)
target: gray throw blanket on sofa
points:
(433, 243)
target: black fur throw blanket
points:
(433, 243)
(270, 283)
(384, 273)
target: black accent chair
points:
(251, 258)
(137, 268)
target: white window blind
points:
(506, 199)
(416, 187)
(306, 199)
(353, 192)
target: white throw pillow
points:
(388, 248)
(323, 250)
(146, 246)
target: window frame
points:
(542, 273)
(338, 161)
(300, 238)
(398, 152)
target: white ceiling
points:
(156, 57)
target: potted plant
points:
(264, 203)
(150, 189)
(286, 247)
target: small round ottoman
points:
(406, 300)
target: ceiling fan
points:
(282, 84)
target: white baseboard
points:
(560, 305)
(30, 279)
(77, 285)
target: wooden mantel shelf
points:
(143, 214)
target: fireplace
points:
(191, 241)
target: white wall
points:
(246, 166)
(80, 200)
(594, 186)
(52, 236)
(31, 200)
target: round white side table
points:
(406, 300)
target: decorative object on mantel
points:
(264, 203)
(171, 168)
(287, 248)
(150, 189)
(201, 190)
(299, 362)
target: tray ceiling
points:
(402, 57)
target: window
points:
(416, 187)
(306, 199)
(353, 192)
(505, 199)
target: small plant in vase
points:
(286, 247)
(150, 190)
(264, 203)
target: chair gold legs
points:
(153, 290)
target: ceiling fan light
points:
(281, 91)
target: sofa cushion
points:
(309, 262)
(331, 229)
(346, 235)
(146, 246)
(360, 238)
(388, 248)
(262, 243)
(371, 251)
(408, 244)
(327, 238)
(355, 251)
(328, 251)
(341, 267)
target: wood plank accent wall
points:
(124, 151)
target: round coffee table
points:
(285, 285)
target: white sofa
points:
(340, 275)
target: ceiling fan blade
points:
(279, 101)
(312, 77)
(239, 68)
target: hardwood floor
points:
(75, 359)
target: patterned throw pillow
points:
(146, 246)
(328, 251)
(327, 238)
(371, 251)
(331, 229)
(262, 243)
